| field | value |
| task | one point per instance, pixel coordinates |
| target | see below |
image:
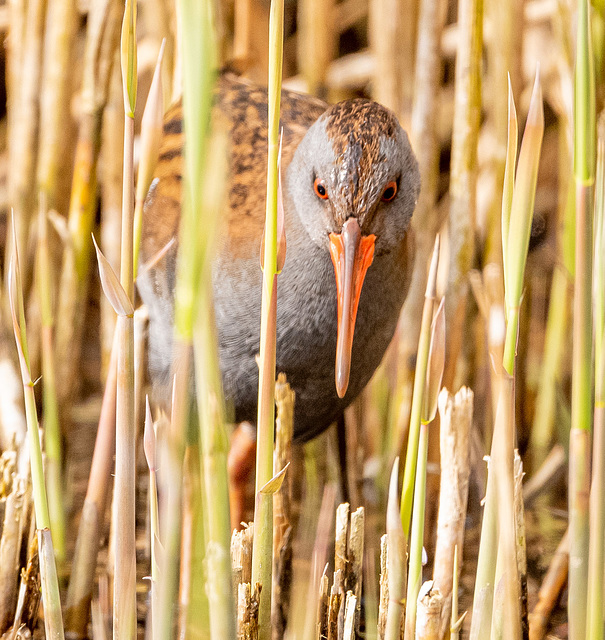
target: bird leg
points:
(240, 464)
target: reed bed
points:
(339, 540)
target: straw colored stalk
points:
(463, 178)
(424, 344)
(91, 527)
(507, 568)
(10, 549)
(349, 621)
(149, 445)
(394, 569)
(582, 372)
(241, 556)
(101, 42)
(383, 596)
(151, 135)
(247, 612)
(284, 429)
(124, 604)
(24, 129)
(426, 221)
(392, 38)
(550, 591)
(52, 430)
(316, 42)
(53, 620)
(263, 520)
(596, 552)
(26, 612)
(521, 540)
(456, 413)
(112, 144)
(54, 95)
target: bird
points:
(350, 182)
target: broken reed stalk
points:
(54, 95)
(52, 429)
(582, 372)
(424, 141)
(456, 414)
(463, 178)
(91, 529)
(596, 552)
(424, 343)
(53, 620)
(263, 520)
(102, 35)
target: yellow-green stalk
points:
(434, 375)
(263, 516)
(424, 343)
(53, 620)
(213, 435)
(596, 551)
(198, 57)
(52, 430)
(516, 230)
(582, 371)
(124, 594)
(151, 136)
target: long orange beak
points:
(352, 254)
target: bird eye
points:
(320, 189)
(390, 191)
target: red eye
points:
(389, 192)
(320, 189)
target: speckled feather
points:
(362, 136)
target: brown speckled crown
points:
(356, 129)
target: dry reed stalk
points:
(426, 220)
(463, 177)
(112, 145)
(10, 549)
(355, 559)
(351, 609)
(383, 597)
(29, 589)
(507, 566)
(241, 554)
(91, 529)
(456, 418)
(101, 42)
(247, 611)
(392, 37)
(552, 466)
(341, 538)
(23, 136)
(282, 455)
(550, 590)
(54, 95)
(429, 613)
(336, 608)
(393, 573)
(520, 540)
(323, 607)
(316, 43)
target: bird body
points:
(350, 151)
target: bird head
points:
(354, 182)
